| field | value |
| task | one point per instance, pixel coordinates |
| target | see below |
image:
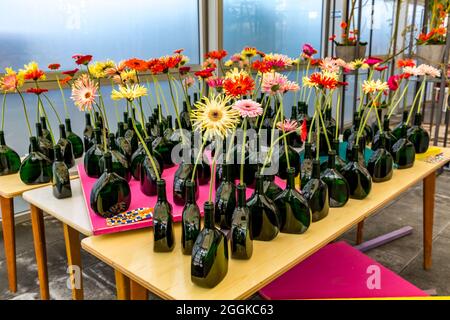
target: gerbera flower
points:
(371, 86)
(330, 65)
(126, 77)
(372, 61)
(308, 50)
(394, 82)
(278, 61)
(358, 64)
(188, 82)
(261, 66)
(209, 63)
(70, 72)
(401, 63)
(82, 59)
(214, 116)
(429, 70)
(248, 108)
(414, 71)
(36, 91)
(249, 52)
(287, 125)
(155, 66)
(236, 57)
(32, 72)
(215, 82)
(381, 68)
(325, 80)
(344, 25)
(12, 80)
(238, 83)
(216, 54)
(98, 68)
(65, 80)
(205, 73)
(273, 83)
(84, 92)
(129, 92)
(184, 70)
(54, 66)
(170, 62)
(136, 64)
(178, 51)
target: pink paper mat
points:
(138, 200)
(338, 271)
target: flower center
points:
(215, 115)
(87, 95)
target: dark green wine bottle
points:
(403, 151)
(163, 234)
(36, 168)
(190, 220)
(264, 213)
(9, 159)
(185, 117)
(339, 163)
(338, 188)
(241, 233)
(209, 261)
(397, 132)
(357, 176)
(163, 147)
(381, 163)
(418, 136)
(119, 161)
(66, 147)
(61, 178)
(45, 146)
(306, 165)
(148, 176)
(131, 135)
(77, 143)
(122, 143)
(225, 199)
(45, 132)
(316, 193)
(93, 156)
(295, 214)
(111, 193)
(88, 133)
(389, 138)
(181, 177)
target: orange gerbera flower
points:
(35, 74)
(155, 66)
(344, 25)
(401, 63)
(323, 80)
(216, 54)
(239, 86)
(205, 73)
(65, 80)
(136, 64)
(54, 66)
(262, 66)
(170, 62)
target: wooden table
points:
(74, 217)
(168, 274)
(10, 187)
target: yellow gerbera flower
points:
(98, 68)
(235, 73)
(214, 116)
(374, 86)
(228, 63)
(126, 77)
(129, 92)
(249, 52)
(358, 64)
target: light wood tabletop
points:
(168, 274)
(71, 211)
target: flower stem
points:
(200, 153)
(25, 112)
(319, 111)
(213, 175)
(264, 114)
(48, 122)
(243, 151)
(398, 101)
(175, 105)
(3, 110)
(337, 115)
(53, 108)
(284, 132)
(63, 98)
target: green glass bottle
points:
(185, 117)
(180, 178)
(264, 213)
(209, 261)
(374, 124)
(88, 133)
(163, 234)
(361, 148)
(303, 114)
(241, 237)
(225, 199)
(338, 161)
(36, 168)
(119, 161)
(306, 165)
(148, 177)
(77, 143)
(190, 220)
(338, 189)
(111, 193)
(316, 193)
(60, 177)
(294, 159)
(9, 159)
(45, 145)
(418, 136)
(397, 131)
(93, 156)
(295, 214)
(353, 129)
(125, 121)
(403, 151)
(357, 176)
(131, 135)
(381, 163)
(122, 143)
(66, 147)
(45, 132)
(389, 138)
(271, 189)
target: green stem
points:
(418, 96)
(264, 114)
(269, 153)
(243, 151)
(200, 153)
(284, 132)
(211, 181)
(398, 101)
(324, 127)
(25, 112)
(380, 127)
(175, 105)
(337, 115)
(48, 122)
(63, 98)
(53, 108)
(3, 110)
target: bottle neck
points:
(125, 117)
(121, 130)
(44, 123)
(294, 113)
(58, 154)
(336, 146)
(2, 138)
(315, 174)
(209, 215)
(88, 119)
(260, 184)
(290, 183)
(130, 124)
(98, 136)
(33, 144)
(169, 122)
(112, 142)
(386, 124)
(62, 131)
(308, 151)
(228, 172)
(355, 153)
(108, 162)
(405, 116)
(38, 130)
(148, 143)
(190, 192)
(241, 195)
(332, 160)
(418, 119)
(161, 190)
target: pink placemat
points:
(138, 200)
(339, 271)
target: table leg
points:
(9, 240)
(359, 233)
(73, 251)
(122, 286)
(429, 187)
(138, 292)
(37, 223)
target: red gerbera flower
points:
(155, 66)
(303, 131)
(216, 54)
(323, 81)
(36, 91)
(184, 70)
(205, 73)
(34, 74)
(65, 80)
(262, 66)
(393, 82)
(70, 72)
(136, 64)
(381, 68)
(401, 63)
(82, 59)
(344, 25)
(178, 51)
(54, 66)
(316, 62)
(239, 86)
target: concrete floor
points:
(404, 256)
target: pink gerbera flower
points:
(248, 108)
(287, 125)
(308, 50)
(84, 92)
(274, 82)
(215, 82)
